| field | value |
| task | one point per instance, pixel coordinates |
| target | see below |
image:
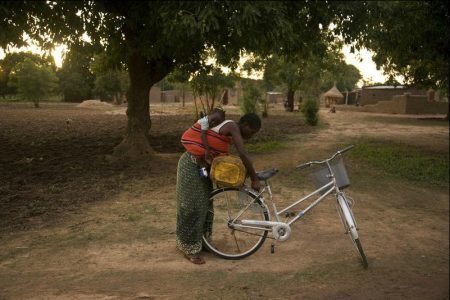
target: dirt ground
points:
(74, 225)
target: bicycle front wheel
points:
(349, 222)
(229, 207)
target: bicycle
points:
(239, 218)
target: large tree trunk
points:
(183, 97)
(290, 98)
(135, 144)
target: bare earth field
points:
(76, 225)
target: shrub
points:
(252, 96)
(310, 109)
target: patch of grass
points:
(404, 161)
(133, 217)
(264, 147)
(430, 121)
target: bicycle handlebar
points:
(303, 166)
(346, 149)
(314, 162)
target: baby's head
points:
(217, 115)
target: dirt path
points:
(123, 248)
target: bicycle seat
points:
(264, 175)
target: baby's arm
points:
(204, 124)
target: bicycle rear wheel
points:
(229, 241)
(349, 222)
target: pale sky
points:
(361, 60)
(57, 52)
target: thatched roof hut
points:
(333, 96)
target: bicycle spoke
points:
(230, 207)
(236, 242)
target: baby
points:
(215, 117)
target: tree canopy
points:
(211, 85)
(75, 75)
(33, 81)
(151, 38)
(11, 60)
(408, 38)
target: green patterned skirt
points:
(193, 194)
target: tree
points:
(75, 77)
(280, 71)
(288, 71)
(180, 80)
(409, 38)
(153, 37)
(252, 96)
(345, 76)
(111, 81)
(209, 84)
(11, 60)
(307, 71)
(33, 82)
(111, 86)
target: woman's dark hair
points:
(251, 120)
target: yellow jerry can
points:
(228, 171)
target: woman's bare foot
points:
(195, 259)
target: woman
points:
(193, 190)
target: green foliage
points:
(180, 80)
(307, 72)
(11, 60)
(165, 84)
(252, 96)
(33, 82)
(310, 109)
(178, 76)
(152, 38)
(172, 33)
(404, 161)
(75, 77)
(346, 77)
(74, 86)
(409, 38)
(209, 84)
(111, 83)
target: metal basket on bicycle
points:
(321, 177)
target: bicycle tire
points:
(225, 241)
(349, 222)
(361, 253)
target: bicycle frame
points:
(235, 232)
(330, 187)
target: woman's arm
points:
(206, 145)
(232, 129)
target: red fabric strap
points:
(192, 142)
